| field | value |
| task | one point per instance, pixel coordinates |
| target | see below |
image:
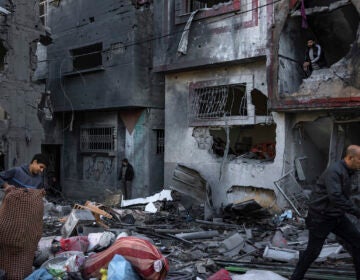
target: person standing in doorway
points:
(126, 176)
(329, 203)
(314, 58)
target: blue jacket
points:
(21, 177)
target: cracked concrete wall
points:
(336, 32)
(124, 81)
(228, 38)
(22, 133)
(183, 148)
(87, 175)
(125, 77)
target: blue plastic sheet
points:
(120, 269)
(40, 274)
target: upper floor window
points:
(217, 102)
(87, 57)
(43, 11)
(207, 8)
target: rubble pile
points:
(184, 245)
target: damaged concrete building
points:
(21, 132)
(107, 102)
(322, 115)
(237, 108)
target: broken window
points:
(97, 139)
(250, 142)
(43, 11)
(218, 102)
(207, 8)
(87, 57)
(2, 56)
(160, 143)
(192, 5)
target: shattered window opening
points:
(256, 142)
(87, 57)
(160, 141)
(206, 8)
(97, 139)
(193, 5)
(218, 102)
(43, 11)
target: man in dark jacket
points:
(126, 175)
(25, 176)
(329, 202)
(314, 58)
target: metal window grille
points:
(97, 139)
(293, 193)
(217, 102)
(160, 141)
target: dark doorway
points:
(52, 173)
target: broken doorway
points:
(311, 148)
(345, 133)
(52, 172)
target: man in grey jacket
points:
(25, 176)
(329, 202)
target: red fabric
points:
(222, 274)
(75, 243)
(139, 252)
(292, 3)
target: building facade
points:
(214, 56)
(237, 108)
(21, 132)
(323, 109)
(108, 103)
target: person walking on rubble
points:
(329, 202)
(314, 58)
(25, 176)
(126, 176)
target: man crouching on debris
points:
(21, 217)
(328, 205)
(25, 176)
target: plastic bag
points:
(120, 269)
(75, 243)
(258, 274)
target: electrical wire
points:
(140, 42)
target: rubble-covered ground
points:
(197, 249)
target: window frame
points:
(87, 55)
(160, 141)
(182, 14)
(112, 142)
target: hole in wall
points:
(250, 142)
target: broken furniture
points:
(96, 211)
(293, 193)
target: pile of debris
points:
(184, 245)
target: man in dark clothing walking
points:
(329, 202)
(126, 175)
(25, 176)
